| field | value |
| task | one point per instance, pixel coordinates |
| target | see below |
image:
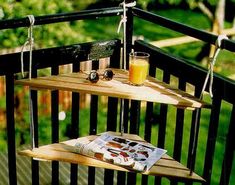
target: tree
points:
(217, 17)
(45, 35)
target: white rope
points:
(211, 66)
(124, 18)
(209, 75)
(123, 64)
(29, 42)
(123, 22)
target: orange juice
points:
(138, 71)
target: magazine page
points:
(134, 155)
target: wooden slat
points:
(66, 152)
(153, 90)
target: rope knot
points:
(124, 17)
(211, 65)
(30, 42)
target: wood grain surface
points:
(152, 90)
(66, 152)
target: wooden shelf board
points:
(152, 91)
(165, 167)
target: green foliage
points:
(44, 36)
(144, 3)
(171, 2)
(17, 9)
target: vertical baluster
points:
(179, 130)
(194, 133)
(121, 176)
(229, 152)
(149, 116)
(93, 128)
(34, 99)
(93, 124)
(162, 123)
(35, 163)
(11, 129)
(75, 126)
(112, 111)
(111, 126)
(147, 133)
(134, 129)
(211, 140)
(55, 126)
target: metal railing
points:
(172, 66)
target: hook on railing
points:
(209, 74)
(30, 42)
(211, 66)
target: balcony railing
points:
(166, 66)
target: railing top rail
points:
(184, 29)
(194, 74)
(63, 17)
(115, 11)
(62, 55)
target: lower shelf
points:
(65, 152)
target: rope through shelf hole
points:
(209, 75)
(123, 62)
(30, 42)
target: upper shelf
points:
(152, 90)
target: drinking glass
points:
(138, 68)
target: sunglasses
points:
(94, 76)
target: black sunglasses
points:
(94, 76)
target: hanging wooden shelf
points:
(152, 90)
(66, 152)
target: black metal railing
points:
(187, 73)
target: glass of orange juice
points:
(138, 68)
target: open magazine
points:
(133, 155)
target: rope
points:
(30, 42)
(211, 76)
(211, 66)
(123, 64)
(123, 22)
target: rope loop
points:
(219, 40)
(211, 66)
(30, 42)
(123, 61)
(123, 17)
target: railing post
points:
(55, 126)
(229, 152)
(131, 179)
(75, 126)
(11, 129)
(211, 140)
(34, 99)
